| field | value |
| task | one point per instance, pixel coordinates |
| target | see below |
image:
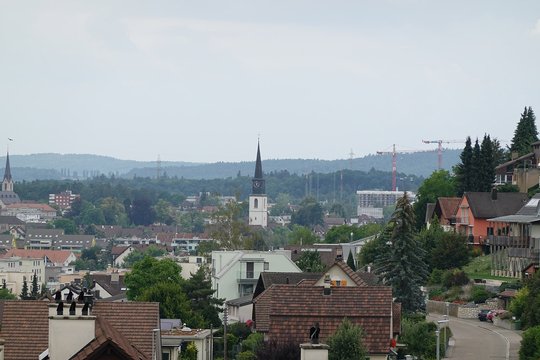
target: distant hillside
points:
(74, 166)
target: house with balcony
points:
(522, 171)
(515, 242)
(235, 273)
(475, 208)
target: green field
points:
(480, 268)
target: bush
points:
(454, 277)
(436, 294)
(479, 294)
(246, 355)
(273, 350)
(530, 345)
(346, 343)
(419, 337)
(253, 342)
(517, 305)
(436, 277)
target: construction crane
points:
(439, 149)
(394, 161)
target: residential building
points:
(30, 212)
(187, 243)
(372, 202)
(522, 171)
(258, 201)
(109, 330)
(515, 241)
(174, 334)
(55, 239)
(63, 200)
(235, 273)
(7, 194)
(284, 312)
(444, 210)
(12, 225)
(475, 208)
(14, 271)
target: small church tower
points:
(258, 204)
(7, 183)
(7, 195)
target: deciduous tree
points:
(346, 343)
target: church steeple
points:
(7, 183)
(258, 186)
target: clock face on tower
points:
(257, 184)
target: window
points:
(250, 270)
(256, 203)
(266, 266)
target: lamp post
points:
(437, 332)
(438, 349)
(352, 235)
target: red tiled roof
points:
(286, 312)
(25, 329)
(25, 325)
(135, 320)
(43, 207)
(56, 256)
(448, 206)
(108, 337)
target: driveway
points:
(474, 339)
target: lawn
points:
(480, 268)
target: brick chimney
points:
(71, 327)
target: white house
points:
(235, 273)
(14, 270)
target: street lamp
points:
(352, 235)
(437, 332)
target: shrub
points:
(246, 355)
(436, 277)
(454, 277)
(530, 345)
(346, 343)
(517, 305)
(253, 342)
(273, 350)
(479, 294)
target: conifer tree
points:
(350, 261)
(486, 175)
(464, 170)
(402, 266)
(24, 291)
(34, 290)
(476, 167)
(525, 134)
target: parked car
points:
(483, 314)
(494, 313)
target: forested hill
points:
(76, 166)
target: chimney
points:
(494, 194)
(70, 331)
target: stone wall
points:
(463, 311)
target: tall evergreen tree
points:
(525, 133)
(464, 170)
(34, 290)
(199, 291)
(24, 290)
(350, 261)
(476, 167)
(403, 266)
(486, 176)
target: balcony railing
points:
(510, 241)
(246, 277)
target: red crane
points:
(394, 161)
(439, 149)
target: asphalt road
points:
(477, 340)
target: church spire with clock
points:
(258, 202)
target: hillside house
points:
(284, 312)
(475, 208)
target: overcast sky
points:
(200, 80)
